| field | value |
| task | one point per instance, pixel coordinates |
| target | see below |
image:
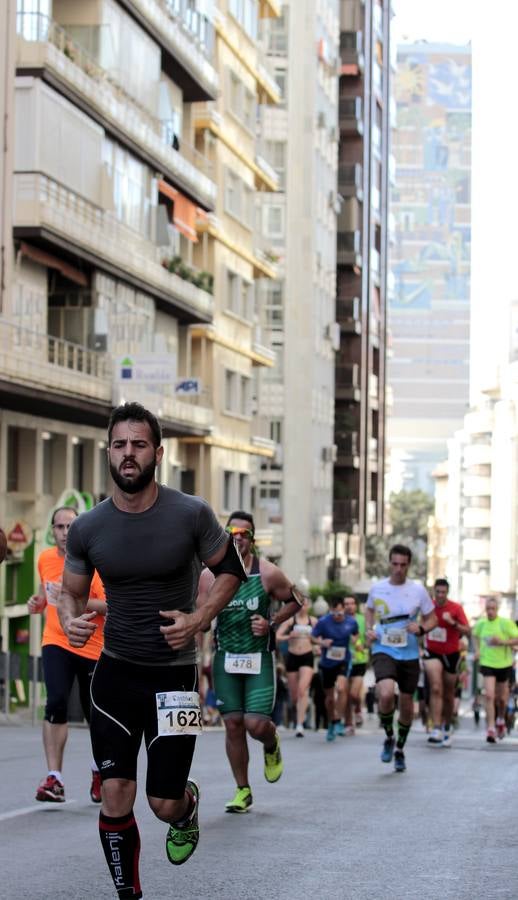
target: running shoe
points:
(358, 720)
(435, 737)
(273, 765)
(182, 837)
(339, 729)
(350, 731)
(446, 740)
(331, 732)
(95, 787)
(299, 731)
(51, 790)
(500, 729)
(388, 750)
(491, 736)
(241, 802)
(399, 761)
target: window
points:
(274, 221)
(244, 491)
(239, 295)
(237, 394)
(273, 306)
(248, 109)
(245, 12)
(281, 77)
(13, 442)
(230, 390)
(239, 198)
(228, 491)
(276, 155)
(276, 430)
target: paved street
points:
(339, 824)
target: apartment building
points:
(133, 252)
(430, 306)
(365, 173)
(296, 396)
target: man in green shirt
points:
(495, 637)
(360, 659)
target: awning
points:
(53, 262)
(184, 211)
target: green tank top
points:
(233, 629)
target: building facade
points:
(429, 308)
(131, 259)
(366, 118)
(299, 226)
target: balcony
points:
(350, 180)
(43, 45)
(476, 550)
(255, 64)
(40, 362)
(350, 112)
(181, 415)
(476, 486)
(269, 9)
(473, 517)
(58, 216)
(188, 41)
(348, 249)
(348, 450)
(345, 515)
(348, 313)
(477, 455)
(347, 382)
(351, 53)
(261, 354)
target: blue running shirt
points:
(395, 606)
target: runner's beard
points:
(134, 485)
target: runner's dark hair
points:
(241, 514)
(135, 412)
(400, 550)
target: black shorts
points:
(331, 673)
(501, 675)
(295, 661)
(404, 671)
(124, 709)
(450, 661)
(358, 670)
(60, 667)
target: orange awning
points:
(184, 211)
(53, 262)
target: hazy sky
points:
(447, 21)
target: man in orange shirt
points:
(61, 662)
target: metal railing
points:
(49, 361)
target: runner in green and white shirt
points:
(244, 665)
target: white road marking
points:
(25, 810)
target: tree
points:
(409, 512)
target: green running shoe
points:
(182, 838)
(241, 802)
(273, 765)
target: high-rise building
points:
(429, 309)
(299, 225)
(366, 117)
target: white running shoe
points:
(435, 736)
(299, 731)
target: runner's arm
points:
(279, 587)
(427, 623)
(72, 604)
(37, 602)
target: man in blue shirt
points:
(333, 632)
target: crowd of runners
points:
(172, 580)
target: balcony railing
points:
(194, 412)
(41, 202)
(350, 180)
(190, 40)
(44, 43)
(351, 115)
(345, 515)
(349, 248)
(30, 357)
(351, 49)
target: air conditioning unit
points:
(332, 334)
(329, 453)
(321, 120)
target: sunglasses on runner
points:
(246, 532)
